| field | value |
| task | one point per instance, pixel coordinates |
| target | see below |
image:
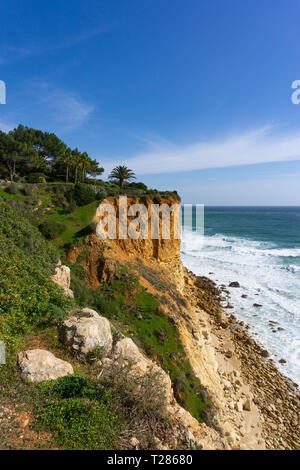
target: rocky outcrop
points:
(126, 354)
(85, 331)
(37, 365)
(62, 277)
(103, 258)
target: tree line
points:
(38, 156)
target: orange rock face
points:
(103, 257)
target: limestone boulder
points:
(86, 331)
(62, 277)
(37, 365)
(126, 353)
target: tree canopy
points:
(120, 174)
(25, 151)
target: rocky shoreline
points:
(276, 396)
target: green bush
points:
(51, 229)
(79, 424)
(84, 194)
(38, 178)
(74, 386)
(28, 189)
(71, 207)
(137, 185)
(140, 399)
(12, 189)
(101, 194)
(77, 413)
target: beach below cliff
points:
(255, 253)
(239, 355)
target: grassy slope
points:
(76, 223)
(29, 302)
(134, 311)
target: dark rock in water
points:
(257, 305)
(244, 296)
(228, 306)
(264, 353)
(282, 361)
(234, 284)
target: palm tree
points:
(68, 160)
(85, 162)
(94, 169)
(120, 174)
(77, 160)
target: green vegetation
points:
(120, 174)
(38, 223)
(27, 294)
(135, 312)
(31, 156)
(51, 229)
(37, 156)
(77, 413)
(83, 195)
(84, 414)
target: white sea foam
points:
(266, 276)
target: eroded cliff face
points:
(233, 421)
(104, 257)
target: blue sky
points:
(193, 95)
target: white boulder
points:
(86, 331)
(37, 365)
(126, 353)
(62, 277)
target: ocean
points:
(260, 248)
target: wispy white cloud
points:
(261, 145)
(65, 108)
(68, 108)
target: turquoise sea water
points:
(260, 248)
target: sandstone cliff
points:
(234, 418)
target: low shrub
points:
(12, 189)
(36, 178)
(79, 424)
(140, 400)
(51, 229)
(77, 413)
(74, 386)
(84, 194)
(28, 189)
